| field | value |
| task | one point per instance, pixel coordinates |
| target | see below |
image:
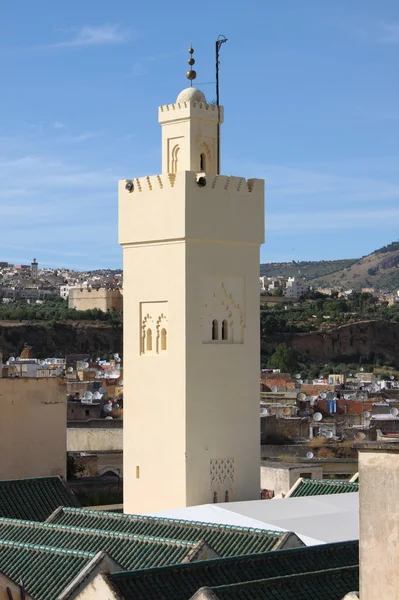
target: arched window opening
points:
(149, 340)
(215, 330)
(215, 497)
(226, 496)
(225, 330)
(163, 339)
(175, 158)
(202, 162)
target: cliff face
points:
(59, 339)
(365, 337)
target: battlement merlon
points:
(190, 110)
(164, 208)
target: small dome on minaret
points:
(191, 94)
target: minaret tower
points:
(190, 241)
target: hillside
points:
(307, 269)
(379, 270)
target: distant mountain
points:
(379, 270)
(306, 269)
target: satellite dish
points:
(394, 411)
(70, 369)
(309, 455)
(107, 407)
(263, 411)
(116, 406)
(287, 411)
(102, 390)
(11, 359)
(88, 395)
(329, 435)
(118, 360)
(274, 388)
(317, 416)
(392, 377)
(301, 396)
(85, 365)
(360, 436)
(361, 369)
(42, 363)
(323, 395)
(109, 417)
(367, 414)
(116, 355)
(98, 359)
(97, 396)
(298, 376)
(300, 381)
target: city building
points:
(88, 298)
(295, 288)
(32, 427)
(192, 325)
(34, 270)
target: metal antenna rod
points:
(220, 40)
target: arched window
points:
(163, 339)
(202, 161)
(215, 330)
(215, 497)
(149, 340)
(225, 330)
(175, 158)
(226, 496)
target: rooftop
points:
(34, 499)
(225, 540)
(321, 487)
(45, 571)
(180, 582)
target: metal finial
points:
(191, 74)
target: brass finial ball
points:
(191, 61)
(191, 51)
(191, 74)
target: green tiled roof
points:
(226, 540)
(333, 584)
(34, 499)
(320, 487)
(180, 582)
(130, 551)
(45, 572)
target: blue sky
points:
(311, 96)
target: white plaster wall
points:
(95, 440)
(379, 524)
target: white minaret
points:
(191, 243)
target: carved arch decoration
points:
(205, 156)
(147, 335)
(162, 334)
(175, 158)
(229, 316)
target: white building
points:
(295, 288)
(191, 329)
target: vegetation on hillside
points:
(307, 269)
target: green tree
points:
(284, 358)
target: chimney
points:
(379, 519)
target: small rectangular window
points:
(137, 472)
(306, 475)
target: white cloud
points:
(95, 36)
(59, 125)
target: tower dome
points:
(191, 94)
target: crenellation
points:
(182, 105)
(219, 183)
